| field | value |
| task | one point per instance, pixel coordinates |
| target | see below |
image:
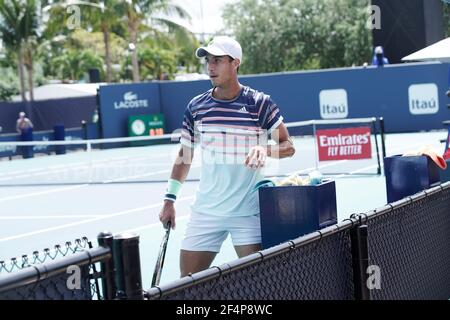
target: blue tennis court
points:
(34, 217)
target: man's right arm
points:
(180, 171)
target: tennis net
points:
(331, 146)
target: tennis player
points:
(232, 124)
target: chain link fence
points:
(409, 240)
(410, 244)
(47, 254)
(297, 270)
(56, 286)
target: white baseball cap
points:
(379, 50)
(221, 46)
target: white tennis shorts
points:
(206, 232)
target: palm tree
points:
(31, 21)
(18, 26)
(73, 63)
(148, 12)
(101, 15)
(104, 20)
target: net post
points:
(382, 131)
(90, 168)
(374, 127)
(105, 239)
(84, 129)
(128, 266)
(360, 261)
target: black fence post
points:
(360, 261)
(128, 266)
(376, 144)
(105, 239)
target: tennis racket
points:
(160, 262)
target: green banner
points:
(146, 125)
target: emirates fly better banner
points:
(344, 144)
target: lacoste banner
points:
(344, 144)
(119, 102)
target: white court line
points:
(103, 216)
(79, 165)
(49, 217)
(153, 173)
(336, 162)
(107, 216)
(152, 225)
(141, 175)
(158, 224)
(33, 194)
(356, 171)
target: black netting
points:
(53, 288)
(58, 252)
(411, 245)
(95, 281)
(319, 270)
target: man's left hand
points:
(256, 158)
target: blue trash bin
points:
(445, 174)
(59, 134)
(406, 176)
(288, 212)
(27, 135)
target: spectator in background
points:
(95, 116)
(23, 123)
(379, 59)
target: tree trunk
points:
(21, 74)
(29, 67)
(134, 57)
(30, 84)
(107, 54)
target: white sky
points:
(212, 14)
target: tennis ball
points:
(315, 177)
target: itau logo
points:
(423, 98)
(333, 104)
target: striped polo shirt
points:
(226, 131)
